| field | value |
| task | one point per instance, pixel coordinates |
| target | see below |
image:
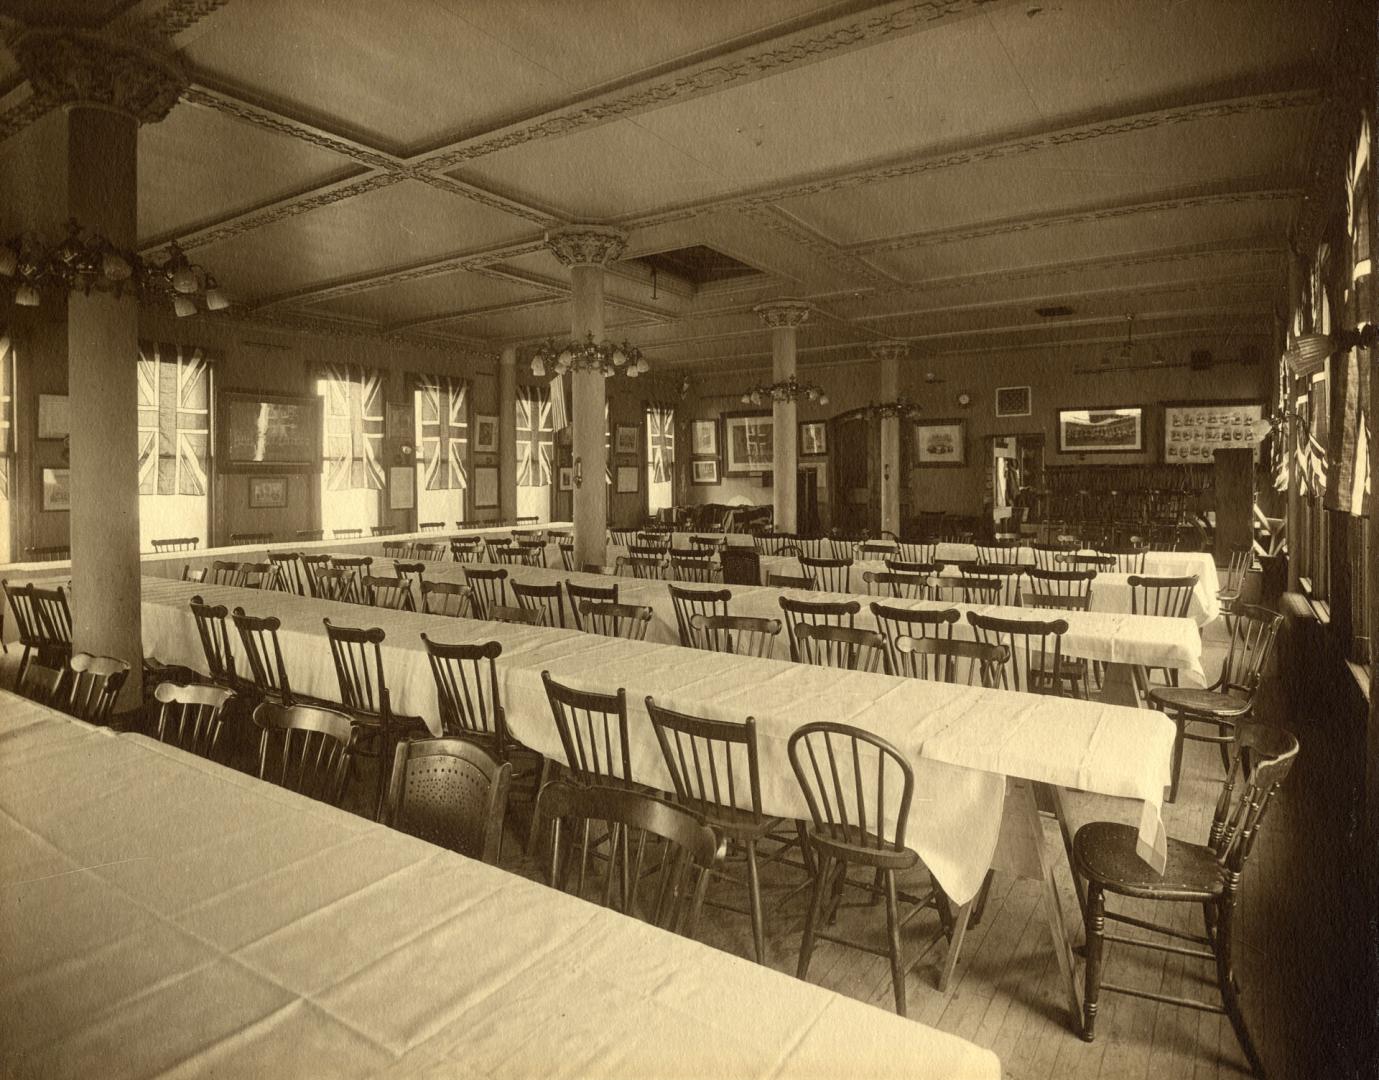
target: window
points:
(352, 438)
(174, 443)
(441, 408)
(535, 448)
(660, 458)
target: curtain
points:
(354, 427)
(174, 419)
(443, 421)
(535, 436)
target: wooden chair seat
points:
(1206, 703)
(1104, 852)
(856, 846)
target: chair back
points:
(176, 543)
(445, 598)
(191, 717)
(1263, 756)
(397, 549)
(875, 550)
(1242, 559)
(643, 566)
(623, 538)
(428, 552)
(95, 684)
(691, 602)
(1046, 556)
(939, 659)
(226, 573)
(358, 656)
(815, 547)
(355, 568)
(533, 552)
(842, 547)
(246, 538)
(467, 549)
(1167, 596)
(386, 592)
(712, 763)
(214, 632)
(789, 581)
(904, 566)
(694, 568)
(430, 526)
(629, 621)
(197, 576)
(1252, 640)
(1060, 583)
(1129, 558)
(567, 555)
(593, 732)
(257, 575)
(898, 586)
(305, 749)
(966, 588)
(519, 616)
(546, 600)
(289, 575)
(578, 594)
(313, 566)
(742, 635)
(999, 553)
(830, 575)
(451, 793)
(815, 613)
(917, 551)
(28, 625)
(1075, 561)
(897, 622)
(1008, 578)
(413, 573)
(1035, 663)
(710, 544)
(263, 653)
(848, 647)
(54, 617)
(487, 587)
(857, 785)
(467, 695)
(350, 534)
(310, 534)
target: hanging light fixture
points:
(901, 407)
(786, 390)
(607, 358)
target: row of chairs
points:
(191, 543)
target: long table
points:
(162, 915)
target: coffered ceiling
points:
(928, 170)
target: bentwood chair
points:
(1210, 875)
(859, 788)
(741, 635)
(176, 543)
(895, 585)
(445, 598)
(517, 616)
(629, 621)
(897, 622)
(1036, 651)
(263, 653)
(714, 769)
(676, 883)
(848, 647)
(815, 613)
(305, 749)
(691, 602)
(546, 600)
(191, 717)
(487, 587)
(578, 594)
(451, 793)
(1228, 701)
(939, 658)
(1228, 596)
(830, 575)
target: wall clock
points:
(964, 400)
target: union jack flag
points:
(443, 417)
(174, 420)
(660, 443)
(354, 427)
(535, 436)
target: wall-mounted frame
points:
(1101, 430)
(1195, 430)
(940, 443)
(627, 479)
(57, 489)
(486, 486)
(274, 433)
(1013, 401)
(402, 493)
(485, 435)
(748, 443)
(267, 492)
(53, 418)
(567, 478)
(704, 471)
(813, 438)
(625, 439)
(704, 438)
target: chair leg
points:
(1178, 724)
(534, 830)
(893, 936)
(812, 916)
(961, 919)
(1230, 995)
(1096, 926)
(1224, 731)
(979, 905)
(836, 896)
(754, 895)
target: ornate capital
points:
(77, 67)
(586, 245)
(889, 350)
(785, 312)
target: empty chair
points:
(467, 694)
(1077, 561)
(567, 555)
(377, 530)
(226, 573)
(449, 792)
(897, 622)
(467, 549)
(312, 566)
(816, 613)
(176, 543)
(1035, 664)
(493, 544)
(413, 574)
(1170, 597)
(648, 567)
(597, 594)
(814, 546)
(1047, 556)
(487, 587)
(545, 600)
(875, 550)
(507, 554)
(830, 575)
(593, 732)
(397, 549)
(711, 544)
(289, 575)
(347, 534)
(847, 647)
(842, 547)
(356, 568)
(695, 569)
(623, 538)
(429, 552)
(949, 660)
(966, 588)
(742, 635)
(529, 520)
(246, 538)
(263, 654)
(31, 631)
(1008, 577)
(212, 627)
(310, 534)
(790, 581)
(1129, 558)
(615, 620)
(1070, 590)
(191, 717)
(430, 526)
(256, 575)
(197, 576)
(918, 551)
(1208, 875)
(507, 613)
(305, 749)
(50, 553)
(904, 566)
(691, 602)
(895, 585)
(93, 684)
(999, 553)
(533, 552)
(445, 598)
(1233, 584)
(386, 592)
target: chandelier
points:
(588, 355)
(901, 407)
(787, 390)
(86, 260)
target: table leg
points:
(1119, 687)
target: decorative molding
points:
(888, 350)
(178, 16)
(463, 349)
(478, 313)
(586, 245)
(79, 67)
(785, 313)
(484, 198)
(838, 259)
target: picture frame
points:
(627, 479)
(940, 443)
(748, 443)
(704, 438)
(704, 471)
(268, 433)
(567, 478)
(1195, 430)
(486, 485)
(813, 438)
(1101, 429)
(402, 487)
(485, 434)
(267, 492)
(625, 439)
(1013, 401)
(54, 418)
(57, 490)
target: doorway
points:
(856, 454)
(1015, 491)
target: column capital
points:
(786, 312)
(79, 67)
(586, 245)
(889, 350)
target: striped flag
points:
(535, 437)
(174, 420)
(560, 417)
(444, 422)
(354, 427)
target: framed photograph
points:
(274, 433)
(486, 435)
(813, 438)
(1101, 430)
(1012, 401)
(627, 479)
(704, 438)
(625, 440)
(398, 420)
(402, 487)
(1195, 430)
(53, 422)
(567, 478)
(748, 440)
(704, 471)
(57, 489)
(940, 442)
(267, 492)
(486, 484)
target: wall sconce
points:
(579, 473)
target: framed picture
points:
(940, 442)
(275, 433)
(748, 439)
(1012, 401)
(53, 422)
(267, 492)
(486, 485)
(813, 438)
(625, 440)
(567, 478)
(1195, 430)
(704, 438)
(704, 471)
(401, 487)
(57, 489)
(486, 435)
(627, 479)
(1101, 430)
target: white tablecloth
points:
(961, 741)
(161, 915)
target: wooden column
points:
(1291, 440)
(507, 434)
(784, 317)
(889, 354)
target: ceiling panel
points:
(409, 300)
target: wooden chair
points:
(39, 642)
(397, 549)
(355, 568)
(847, 647)
(310, 534)
(816, 547)
(1008, 578)
(815, 613)
(504, 552)
(842, 546)
(937, 658)
(709, 544)
(533, 552)
(1228, 596)
(741, 635)
(691, 602)
(623, 538)
(688, 851)
(312, 567)
(212, 628)
(257, 575)
(917, 551)
(1169, 597)
(1076, 561)
(196, 577)
(693, 569)
(445, 598)
(191, 717)
(51, 553)
(176, 543)
(517, 616)
(896, 585)
(629, 621)
(487, 588)
(263, 653)
(966, 589)
(643, 567)
(999, 553)
(904, 566)
(392, 593)
(467, 549)
(429, 552)
(1047, 556)
(377, 530)
(289, 575)
(94, 682)
(224, 572)
(567, 555)
(244, 539)
(830, 575)
(348, 534)
(597, 594)
(859, 788)
(1128, 558)
(593, 732)
(1035, 664)
(1049, 587)
(875, 550)
(789, 581)
(430, 526)
(897, 622)
(1230, 699)
(305, 749)
(1210, 875)
(413, 574)
(451, 793)
(545, 600)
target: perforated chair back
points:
(1035, 664)
(742, 635)
(305, 749)
(263, 654)
(451, 793)
(487, 587)
(691, 602)
(191, 717)
(1170, 597)
(593, 732)
(950, 660)
(897, 622)
(815, 613)
(213, 628)
(849, 648)
(629, 621)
